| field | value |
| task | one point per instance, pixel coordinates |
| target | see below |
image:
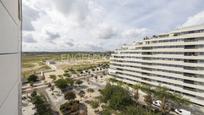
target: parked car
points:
(156, 103)
(182, 112)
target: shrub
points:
(79, 82)
(94, 104)
(81, 93)
(69, 95)
(70, 107)
(70, 81)
(53, 77)
(34, 93)
(67, 75)
(90, 90)
(106, 112)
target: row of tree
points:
(120, 102)
(169, 100)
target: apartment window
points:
(190, 40)
(190, 68)
(190, 47)
(190, 61)
(189, 75)
(190, 54)
(188, 81)
(189, 88)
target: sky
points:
(102, 25)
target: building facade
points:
(174, 60)
(10, 57)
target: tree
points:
(137, 110)
(70, 95)
(32, 78)
(148, 99)
(42, 107)
(178, 101)
(117, 96)
(61, 83)
(163, 94)
(149, 92)
(136, 94)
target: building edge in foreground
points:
(174, 60)
(10, 57)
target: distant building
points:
(10, 57)
(174, 60)
(50, 62)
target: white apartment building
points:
(174, 60)
(10, 57)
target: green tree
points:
(163, 94)
(32, 78)
(147, 98)
(61, 83)
(136, 94)
(117, 96)
(42, 107)
(178, 100)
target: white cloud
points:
(72, 25)
(64, 25)
(29, 39)
(195, 20)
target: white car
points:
(182, 112)
(156, 103)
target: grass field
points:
(35, 62)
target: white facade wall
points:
(10, 57)
(174, 60)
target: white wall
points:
(10, 58)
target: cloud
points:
(99, 25)
(93, 47)
(52, 35)
(70, 44)
(73, 8)
(134, 32)
(29, 39)
(104, 31)
(195, 20)
(29, 15)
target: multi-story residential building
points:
(10, 58)
(174, 60)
